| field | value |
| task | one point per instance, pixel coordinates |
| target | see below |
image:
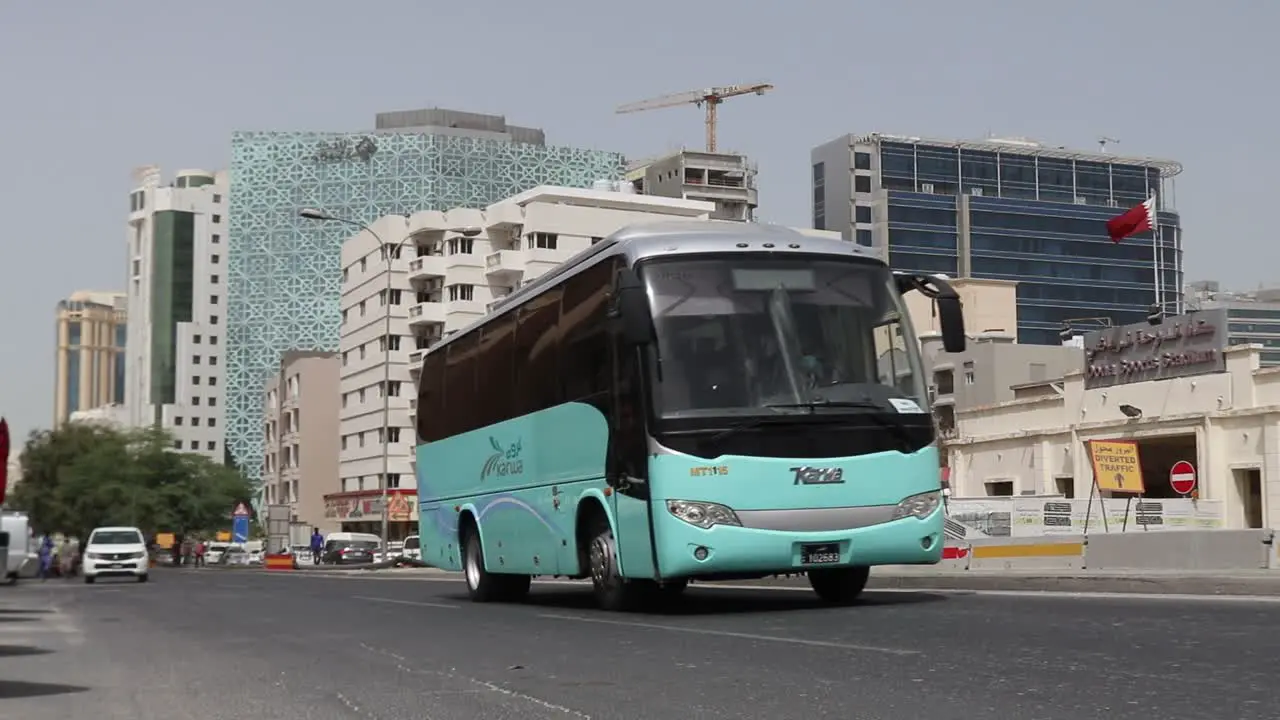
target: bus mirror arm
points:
(946, 299)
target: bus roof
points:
(670, 238)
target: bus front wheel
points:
(839, 586)
(484, 586)
(613, 592)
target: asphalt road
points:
(214, 644)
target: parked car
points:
(344, 548)
(412, 548)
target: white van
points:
(116, 552)
(22, 547)
(413, 548)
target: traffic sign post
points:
(240, 523)
(1182, 478)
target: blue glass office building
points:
(1008, 210)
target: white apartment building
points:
(176, 239)
(449, 267)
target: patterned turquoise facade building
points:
(283, 274)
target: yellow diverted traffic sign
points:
(1116, 466)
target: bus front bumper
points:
(686, 550)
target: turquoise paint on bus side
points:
(504, 476)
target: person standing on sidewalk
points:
(201, 549)
(46, 556)
(317, 546)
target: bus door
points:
(627, 467)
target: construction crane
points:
(711, 97)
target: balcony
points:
(504, 266)
(426, 267)
(463, 260)
(461, 312)
(426, 313)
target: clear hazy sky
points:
(89, 89)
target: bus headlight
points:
(918, 506)
(702, 514)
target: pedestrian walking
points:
(46, 556)
(201, 549)
(317, 546)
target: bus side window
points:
(495, 371)
(537, 354)
(586, 360)
(431, 422)
(460, 385)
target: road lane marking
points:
(729, 633)
(393, 601)
(402, 664)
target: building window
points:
(213, 359)
(177, 421)
(217, 218)
(862, 213)
(213, 299)
(212, 401)
(864, 237)
(177, 444)
(195, 444)
(861, 161)
(215, 239)
(213, 381)
(195, 379)
(195, 359)
(211, 422)
(217, 198)
(213, 339)
(394, 387)
(195, 339)
(215, 259)
(211, 446)
(862, 183)
(461, 292)
(213, 319)
(395, 297)
(545, 241)
(393, 434)
(214, 279)
(393, 480)
(195, 400)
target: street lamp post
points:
(389, 254)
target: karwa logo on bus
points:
(504, 462)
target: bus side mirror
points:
(632, 309)
(947, 300)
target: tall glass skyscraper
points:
(1008, 210)
(283, 274)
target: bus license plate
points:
(823, 554)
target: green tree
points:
(83, 476)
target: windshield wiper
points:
(896, 428)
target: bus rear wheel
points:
(484, 586)
(839, 586)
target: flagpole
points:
(1155, 250)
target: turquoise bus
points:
(686, 400)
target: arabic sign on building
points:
(401, 507)
(1181, 346)
(344, 149)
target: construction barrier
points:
(1192, 551)
(278, 562)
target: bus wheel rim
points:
(600, 570)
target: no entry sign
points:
(1182, 477)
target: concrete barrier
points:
(1066, 552)
(1197, 551)
(1192, 551)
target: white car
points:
(115, 552)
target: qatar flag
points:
(4, 457)
(1139, 218)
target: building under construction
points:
(726, 179)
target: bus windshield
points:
(742, 335)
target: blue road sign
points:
(240, 529)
